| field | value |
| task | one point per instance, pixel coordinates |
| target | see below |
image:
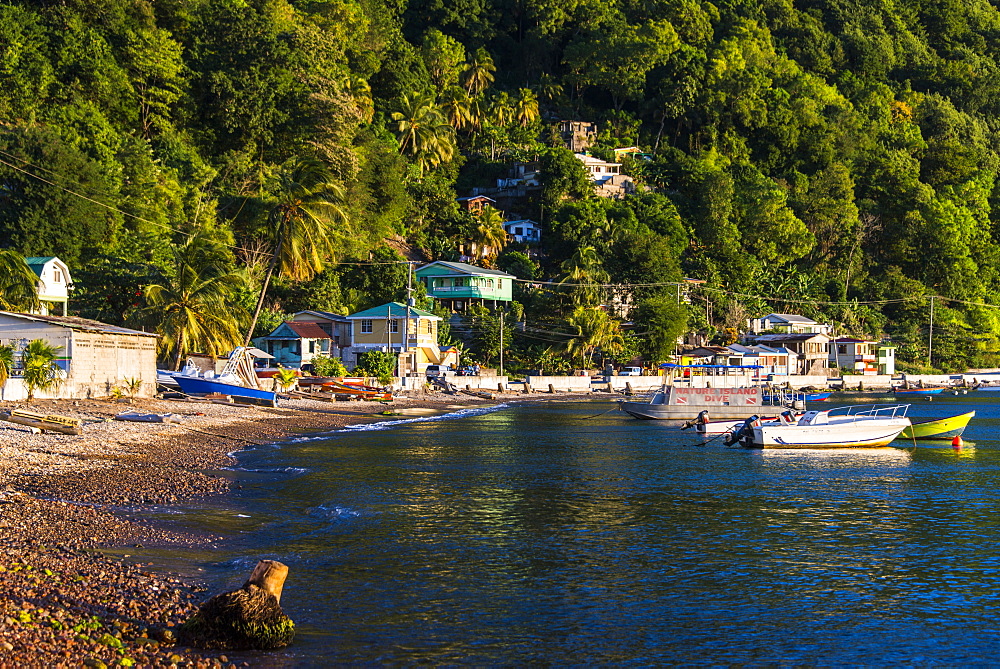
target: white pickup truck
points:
(630, 371)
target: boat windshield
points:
(872, 411)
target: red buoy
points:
(957, 441)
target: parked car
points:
(467, 371)
(630, 371)
(436, 370)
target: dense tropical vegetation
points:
(835, 158)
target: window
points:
(57, 276)
(394, 325)
(842, 349)
(366, 325)
(312, 345)
(518, 231)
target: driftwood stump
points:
(248, 618)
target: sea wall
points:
(563, 383)
(637, 383)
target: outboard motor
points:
(746, 430)
(701, 419)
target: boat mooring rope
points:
(599, 414)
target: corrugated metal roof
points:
(307, 330)
(392, 310)
(81, 324)
(790, 318)
(324, 314)
(463, 268)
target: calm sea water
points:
(527, 534)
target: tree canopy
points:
(841, 153)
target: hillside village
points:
(96, 357)
(460, 301)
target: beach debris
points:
(248, 618)
(43, 422)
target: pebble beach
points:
(64, 498)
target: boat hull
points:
(918, 391)
(674, 403)
(649, 411)
(193, 386)
(853, 434)
(942, 428)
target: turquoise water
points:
(529, 535)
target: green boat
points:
(940, 428)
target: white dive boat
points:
(866, 426)
(725, 390)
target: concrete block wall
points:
(488, 383)
(565, 383)
(102, 361)
(637, 382)
(869, 382)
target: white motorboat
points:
(866, 426)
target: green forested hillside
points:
(835, 158)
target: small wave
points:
(248, 562)
(389, 424)
(332, 512)
(267, 470)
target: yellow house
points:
(406, 330)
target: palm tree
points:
(424, 131)
(595, 329)
(40, 369)
(584, 274)
(502, 110)
(457, 108)
(549, 88)
(18, 284)
(414, 113)
(306, 206)
(526, 107)
(6, 365)
(478, 74)
(477, 112)
(193, 309)
(490, 235)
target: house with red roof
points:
(295, 344)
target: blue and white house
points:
(524, 231)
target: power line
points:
(662, 284)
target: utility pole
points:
(501, 342)
(930, 334)
(406, 320)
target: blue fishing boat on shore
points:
(918, 391)
(194, 386)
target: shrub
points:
(380, 364)
(328, 366)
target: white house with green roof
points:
(456, 285)
(54, 282)
(405, 330)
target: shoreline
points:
(63, 499)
